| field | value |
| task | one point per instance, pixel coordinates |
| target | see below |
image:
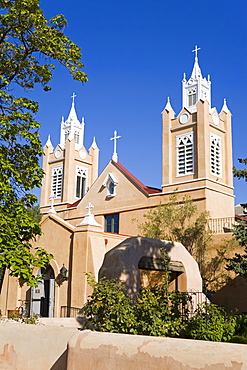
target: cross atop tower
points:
(73, 97)
(195, 51)
(114, 155)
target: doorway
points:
(43, 296)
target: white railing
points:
(221, 225)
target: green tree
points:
(174, 221)
(28, 45)
(238, 263)
(241, 174)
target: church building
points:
(86, 214)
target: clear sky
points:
(135, 53)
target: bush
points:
(109, 308)
(211, 322)
(238, 339)
(156, 312)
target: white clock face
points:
(215, 119)
(82, 154)
(58, 153)
(184, 118)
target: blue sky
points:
(135, 53)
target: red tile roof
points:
(75, 204)
(147, 189)
(241, 217)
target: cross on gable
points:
(114, 138)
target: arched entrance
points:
(43, 296)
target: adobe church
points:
(86, 214)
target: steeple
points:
(196, 88)
(72, 128)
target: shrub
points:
(211, 322)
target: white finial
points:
(168, 106)
(48, 142)
(195, 51)
(225, 107)
(52, 209)
(89, 207)
(89, 217)
(94, 144)
(114, 155)
(184, 77)
(73, 97)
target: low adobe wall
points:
(29, 347)
(101, 351)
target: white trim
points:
(217, 127)
(199, 179)
(56, 160)
(110, 180)
(182, 126)
(192, 189)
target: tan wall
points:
(28, 347)
(100, 351)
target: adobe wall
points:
(28, 347)
(100, 351)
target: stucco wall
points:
(29, 347)
(101, 351)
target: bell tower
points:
(197, 148)
(69, 168)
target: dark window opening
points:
(112, 223)
(80, 186)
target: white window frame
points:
(77, 137)
(66, 135)
(185, 154)
(215, 155)
(57, 181)
(81, 172)
(111, 184)
(192, 97)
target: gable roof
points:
(147, 190)
(133, 179)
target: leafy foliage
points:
(241, 174)
(159, 312)
(238, 263)
(211, 322)
(109, 309)
(28, 44)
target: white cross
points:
(52, 197)
(196, 50)
(89, 207)
(114, 155)
(73, 97)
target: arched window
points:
(76, 137)
(57, 181)
(192, 97)
(215, 155)
(81, 181)
(185, 154)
